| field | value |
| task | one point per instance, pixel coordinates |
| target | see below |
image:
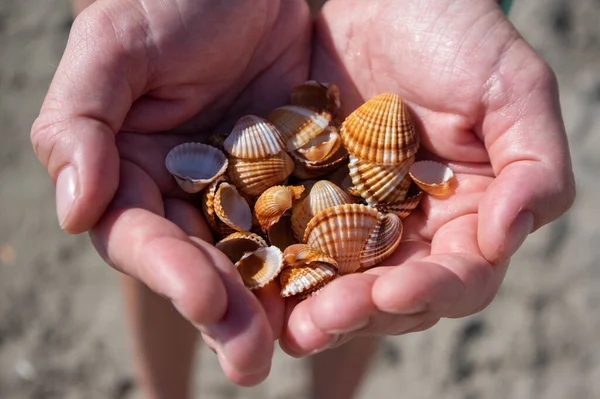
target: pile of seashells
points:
(301, 197)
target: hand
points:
(487, 105)
(132, 71)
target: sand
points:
(62, 332)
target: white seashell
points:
(253, 137)
(195, 165)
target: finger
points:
(274, 306)
(525, 136)
(201, 281)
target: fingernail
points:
(359, 325)
(66, 191)
(332, 342)
(518, 232)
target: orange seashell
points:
(305, 279)
(318, 96)
(383, 241)
(252, 177)
(305, 169)
(379, 183)
(342, 232)
(323, 194)
(433, 177)
(208, 208)
(195, 165)
(274, 202)
(232, 208)
(302, 255)
(237, 244)
(318, 148)
(401, 208)
(381, 131)
(298, 124)
(253, 137)
(258, 268)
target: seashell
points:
(318, 96)
(280, 233)
(237, 244)
(253, 137)
(323, 194)
(401, 208)
(319, 147)
(274, 202)
(258, 268)
(342, 232)
(232, 208)
(383, 241)
(298, 124)
(305, 169)
(208, 208)
(252, 177)
(379, 183)
(195, 165)
(217, 140)
(381, 131)
(305, 279)
(301, 255)
(433, 177)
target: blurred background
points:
(61, 328)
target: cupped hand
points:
(131, 73)
(486, 105)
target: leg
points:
(163, 342)
(338, 373)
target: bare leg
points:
(338, 373)
(163, 342)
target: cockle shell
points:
(302, 255)
(208, 208)
(433, 177)
(381, 131)
(383, 241)
(303, 280)
(401, 208)
(232, 208)
(319, 147)
(274, 202)
(237, 244)
(342, 232)
(322, 195)
(252, 177)
(252, 138)
(380, 183)
(298, 124)
(195, 165)
(305, 169)
(261, 266)
(318, 96)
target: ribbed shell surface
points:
(383, 241)
(301, 280)
(252, 177)
(298, 124)
(253, 137)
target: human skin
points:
(139, 77)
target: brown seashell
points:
(381, 131)
(401, 208)
(318, 96)
(274, 202)
(237, 244)
(318, 148)
(302, 255)
(232, 208)
(258, 268)
(195, 165)
(253, 137)
(298, 124)
(433, 177)
(383, 241)
(252, 177)
(323, 194)
(208, 208)
(342, 232)
(305, 279)
(305, 169)
(379, 183)
(280, 233)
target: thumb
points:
(74, 134)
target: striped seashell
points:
(433, 177)
(401, 208)
(252, 177)
(302, 255)
(274, 202)
(323, 194)
(232, 208)
(379, 183)
(298, 124)
(383, 241)
(305, 169)
(253, 137)
(342, 232)
(195, 165)
(318, 96)
(208, 208)
(319, 147)
(305, 279)
(260, 267)
(237, 244)
(381, 131)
